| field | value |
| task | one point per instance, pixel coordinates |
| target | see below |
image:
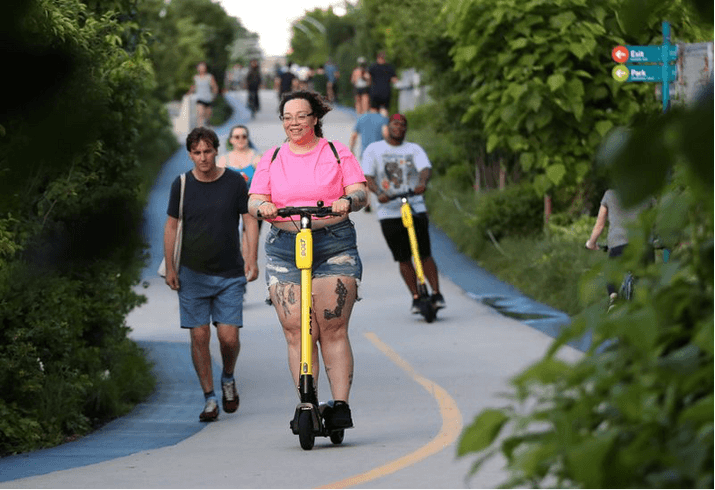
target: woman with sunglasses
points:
(244, 159)
(300, 172)
(241, 156)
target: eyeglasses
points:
(240, 136)
(301, 118)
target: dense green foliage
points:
(637, 410)
(542, 84)
(544, 266)
(475, 219)
(184, 33)
(79, 128)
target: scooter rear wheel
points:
(336, 437)
(305, 430)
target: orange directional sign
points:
(620, 54)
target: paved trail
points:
(416, 384)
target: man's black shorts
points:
(379, 100)
(398, 240)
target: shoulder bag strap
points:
(181, 198)
(332, 147)
(275, 153)
(335, 152)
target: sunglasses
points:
(240, 136)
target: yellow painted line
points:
(451, 424)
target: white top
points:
(396, 170)
(203, 88)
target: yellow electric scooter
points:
(308, 421)
(427, 308)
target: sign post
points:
(664, 71)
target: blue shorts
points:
(334, 254)
(204, 298)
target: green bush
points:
(548, 270)
(59, 340)
(514, 211)
(460, 177)
(474, 220)
(422, 117)
(452, 210)
(637, 410)
(71, 248)
(441, 148)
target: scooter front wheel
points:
(336, 437)
(428, 310)
(305, 430)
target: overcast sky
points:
(272, 19)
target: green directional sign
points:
(661, 67)
(651, 54)
(620, 73)
(650, 73)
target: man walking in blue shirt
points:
(371, 127)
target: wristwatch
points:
(348, 199)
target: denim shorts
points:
(204, 299)
(334, 254)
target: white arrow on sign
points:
(620, 72)
(620, 54)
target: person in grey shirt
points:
(618, 219)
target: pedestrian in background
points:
(286, 81)
(243, 158)
(320, 81)
(394, 166)
(253, 84)
(382, 76)
(360, 80)
(331, 70)
(370, 127)
(205, 88)
(618, 218)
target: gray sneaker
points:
(210, 412)
(230, 396)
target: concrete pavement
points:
(467, 355)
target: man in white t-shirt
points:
(394, 166)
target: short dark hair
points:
(199, 134)
(318, 105)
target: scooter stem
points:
(408, 223)
(304, 262)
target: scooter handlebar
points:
(401, 195)
(318, 211)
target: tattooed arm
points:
(262, 203)
(358, 199)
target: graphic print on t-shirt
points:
(399, 169)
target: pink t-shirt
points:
(303, 180)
